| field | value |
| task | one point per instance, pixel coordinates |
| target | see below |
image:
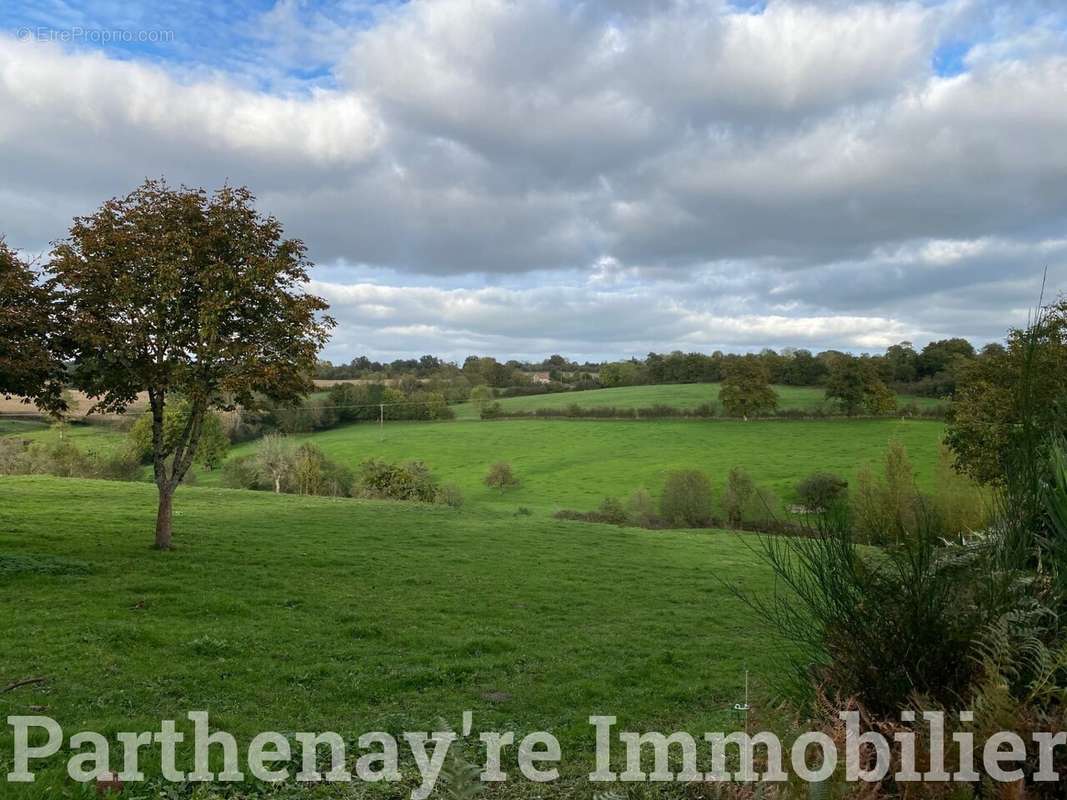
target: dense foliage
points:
(746, 389)
(30, 333)
(175, 293)
(932, 371)
(929, 621)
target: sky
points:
(598, 179)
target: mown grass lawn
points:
(681, 395)
(289, 613)
(576, 463)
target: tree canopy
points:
(746, 388)
(175, 293)
(856, 386)
(30, 352)
(1013, 400)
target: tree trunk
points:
(166, 497)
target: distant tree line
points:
(932, 371)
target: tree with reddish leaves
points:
(30, 331)
(182, 295)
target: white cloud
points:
(615, 175)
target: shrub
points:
(885, 509)
(122, 465)
(642, 510)
(274, 460)
(880, 628)
(612, 511)
(62, 459)
(481, 396)
(820, 491)
(492, 411)
(11, 456)
(958, 502)
(450, 495)
(760, 513)
(383, 481)
(686, 500)
(210, 450)
(242, 473)
(501, 477)
(737, 496)
(314, 474)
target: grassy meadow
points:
(308, 613)
(679, 395)
(297, 613)
(91, 439)
(576, 463)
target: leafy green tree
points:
(739, 492)
(686, 499)
(746, 388)
(942, 355)
(1011, 401)
(856, 386)
(622, 373)
(902, 362)
(846, 385)
(30, 357)
(213, 446)
(176, 293)
(481, 396)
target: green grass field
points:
(91, 439)
(576, 463)
(20, 427)
(291, 613)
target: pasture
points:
(576, 463)
(296, 613)
(92, 439)
(680, 395)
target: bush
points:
(492, 411)
(760, 513)
(737, 496)
(821, 491)
(612, 511)
(314, 474)
(958, 503)
(881, 628)
(123, 465)
(450, 495)
(501, 477)
(886, 509)
(383, 481)
(274, 461)
(642, 510)
(686, 500)
(62, 459)
(11, 456)
(242, 473)
(210, 450)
